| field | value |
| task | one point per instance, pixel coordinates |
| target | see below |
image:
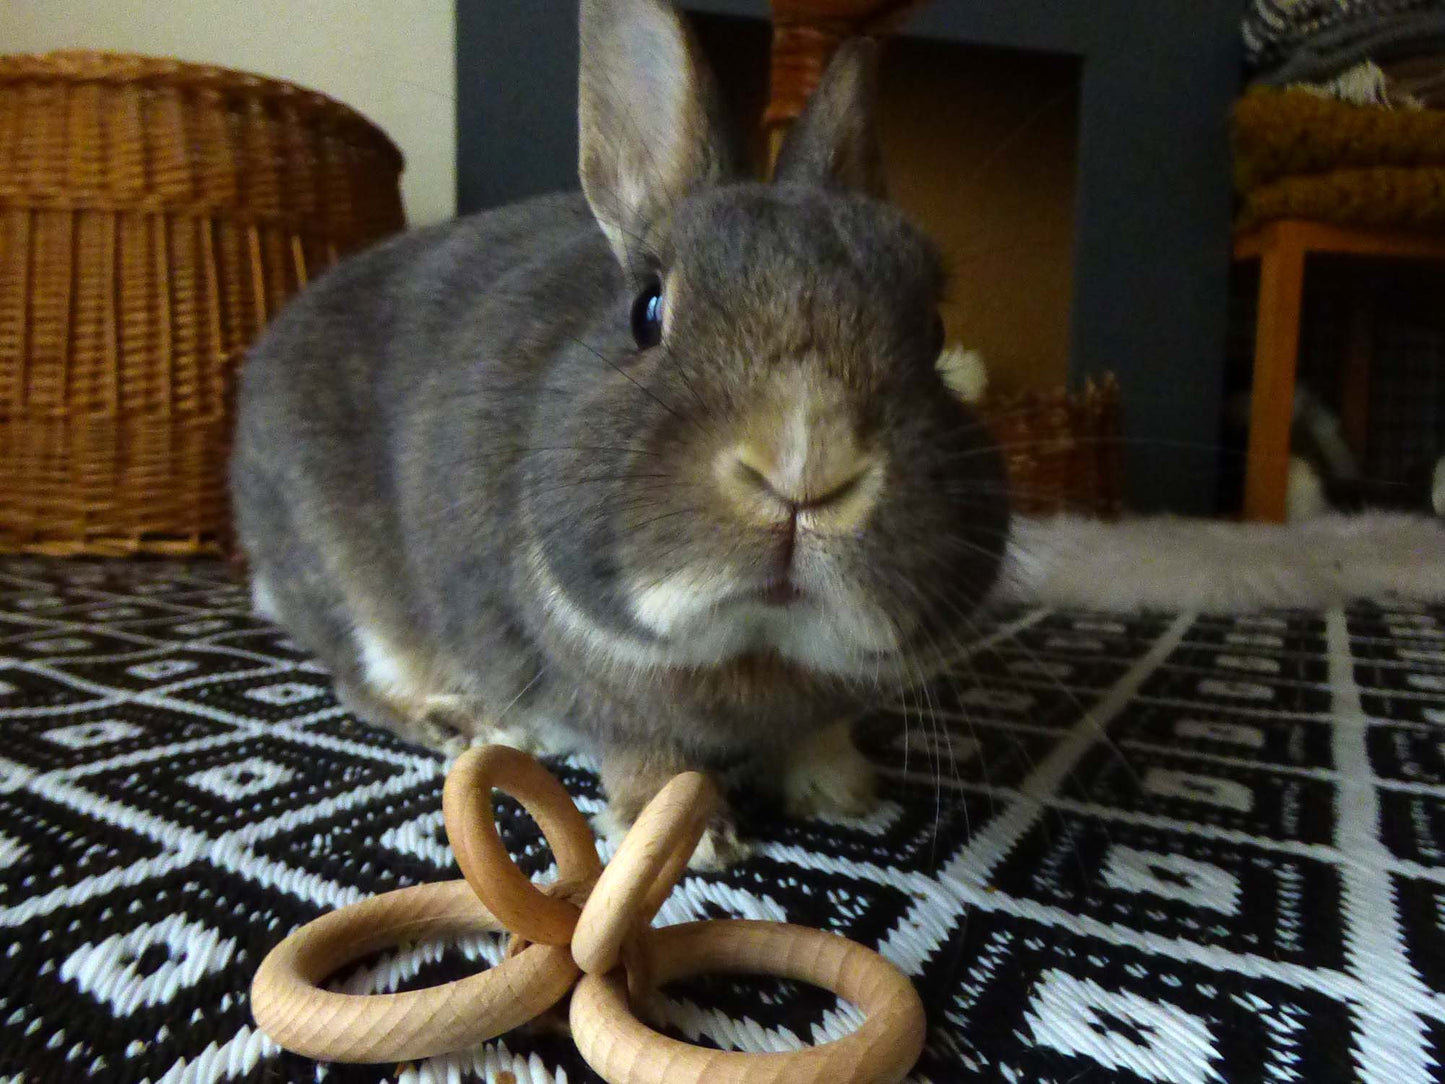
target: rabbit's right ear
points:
(835, 143)
(648, 119)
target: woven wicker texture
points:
(153, 215)
(1062, 451)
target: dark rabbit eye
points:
(647, 316)
(939, 336)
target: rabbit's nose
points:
(817, 475)
(796, 489)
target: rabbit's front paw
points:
(632, 779)
(720, 846)
(827, 777)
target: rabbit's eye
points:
(939, 336)
(647, 316)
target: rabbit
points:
(664, 472)
(667, 472)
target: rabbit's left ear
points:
(835, 144)
(648, 118)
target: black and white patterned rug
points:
(1172, 848)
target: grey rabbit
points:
(667, 474)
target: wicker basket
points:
(153, 215)
(1062, 451)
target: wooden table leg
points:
(1276, 354)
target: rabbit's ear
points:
(648, 118)
(835, 144)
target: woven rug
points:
(1170, 848)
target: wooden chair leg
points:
(1276, 354)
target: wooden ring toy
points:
(625, 959)
(620, 1047)
(290, 1006)
(472, 831)
(643, 872)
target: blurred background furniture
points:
(1322, 177)
(1282, 249)
(154, 215)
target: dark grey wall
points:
(516, 99)
(1153, 218)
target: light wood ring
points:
(624, 1050)
(641, 875)
(472, 831)
(289, 1005)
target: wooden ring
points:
(619, 1047)
(467, 809)
(290, 1007)
(641, 875)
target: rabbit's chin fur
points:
(702, 618)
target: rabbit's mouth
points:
(704, 617)
(712, 619)
(780, 591)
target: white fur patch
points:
(793, 448)
(1304, 493)
(385, 670)
(706, 620)
(676, 600)
(263, 601)
(836, 631)
(964, 372)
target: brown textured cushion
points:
(1386, 196)
(1279, 133)
(1298, 155)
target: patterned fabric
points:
(1170, 848)
(1288, 41)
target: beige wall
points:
(393, 60)
(981, 147)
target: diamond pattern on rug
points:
(1156, 848)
